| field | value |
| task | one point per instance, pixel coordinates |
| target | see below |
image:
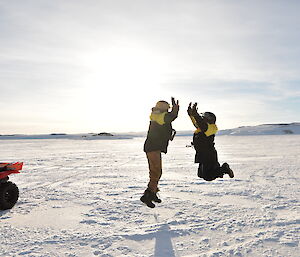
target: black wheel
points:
(9, 194)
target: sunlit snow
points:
(81, 198)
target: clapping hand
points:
(175, 104)
(189, 110)
(192, 110)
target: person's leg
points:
(227, 170)
(221, 170)
(155, 169)
(200, 170)
(207, 171)
(147, 198)
(211, 167)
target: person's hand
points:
(175, 104)
(195, 108)
(189, 110)
(192, 110)
(173, 101)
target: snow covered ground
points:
(81, 198)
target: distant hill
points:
(264, 129)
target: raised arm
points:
(196, 118)
(174, 112)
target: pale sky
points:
(100, 65)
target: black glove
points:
(192, 110)
(189, 110)
(175, 104)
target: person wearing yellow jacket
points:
(159, 134)
(203, 140)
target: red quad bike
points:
(9, 192)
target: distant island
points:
(102, 134)
(85, 136)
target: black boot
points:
(155, 198)
(147, 198)
(226, 169)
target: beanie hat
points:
(162, 105)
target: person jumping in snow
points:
(159, 134)
(203, 140)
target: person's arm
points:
(190, 111)
(171, 116)
(201, 123)
(193, 113)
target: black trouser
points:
(209, 167)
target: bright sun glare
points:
(129, 76)
(125, 70)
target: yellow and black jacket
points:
(204, 135)
(160, 130)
